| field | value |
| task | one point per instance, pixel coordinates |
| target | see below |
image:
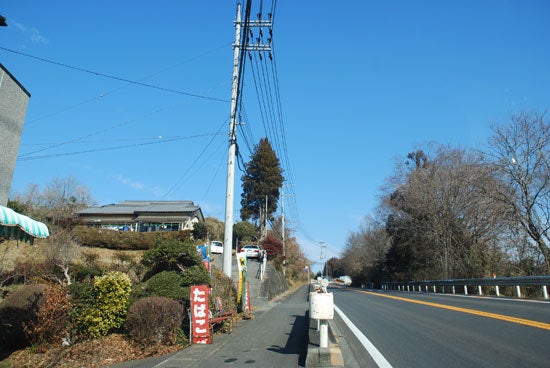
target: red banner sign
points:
(200, 321)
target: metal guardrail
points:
(441, 285)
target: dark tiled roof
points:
(132, 207)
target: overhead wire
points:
(104, 94)
(266, 85)
(101, 131)
(113, 77)
(174, 139)
(186, 172)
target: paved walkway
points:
(276, 337)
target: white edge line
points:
(371, 349)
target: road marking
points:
(502, 317)
(372, 350)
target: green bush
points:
(196, 275)
(102, 308)
(168, 284)
(18, 310)
(85, 272)
(154, 320)
(124, 240)
(170, 255)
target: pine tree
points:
(262, 180)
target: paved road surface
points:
(433, 330)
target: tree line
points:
(450, 212)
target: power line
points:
(79, 139)
(113, 77)
(27, 158)
(178, 182)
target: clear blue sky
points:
(362, 83)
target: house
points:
(143, 216)
(14, 99)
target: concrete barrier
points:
(317, 356)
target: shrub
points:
(154, 320)
(170, 255)
(224, 287)
(27, 272)
(103, 308)
(124, 240)
(168, 284)
(196, 275)
(19, 309)
(85, 272)
(52, 317)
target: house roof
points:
(138, 207)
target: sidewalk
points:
(276, 337)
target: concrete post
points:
(323, 333)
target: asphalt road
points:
(431, 330)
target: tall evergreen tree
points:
(262, 180)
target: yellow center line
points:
(502, 317)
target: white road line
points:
(372, 350)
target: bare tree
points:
(59, 199)
(519, 153)
(440, 218)
(365, 251)
(61, 250)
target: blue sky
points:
(362, 83)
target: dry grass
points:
(13, 252)
(109, 350)
(94, 353)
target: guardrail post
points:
(451, 285)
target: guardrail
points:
(496, 282)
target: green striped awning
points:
(13, 225)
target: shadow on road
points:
(297, 339)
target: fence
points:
(445, 286)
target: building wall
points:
(13, 108)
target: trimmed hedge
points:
(168, 284)
(124, 240)
(154, 320)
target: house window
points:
(153, 226)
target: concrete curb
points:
(322, 357)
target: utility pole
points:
(238, 50)
(230, 187)
(322, 257)
(283, 226)
(283, 220)
(283, 223)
